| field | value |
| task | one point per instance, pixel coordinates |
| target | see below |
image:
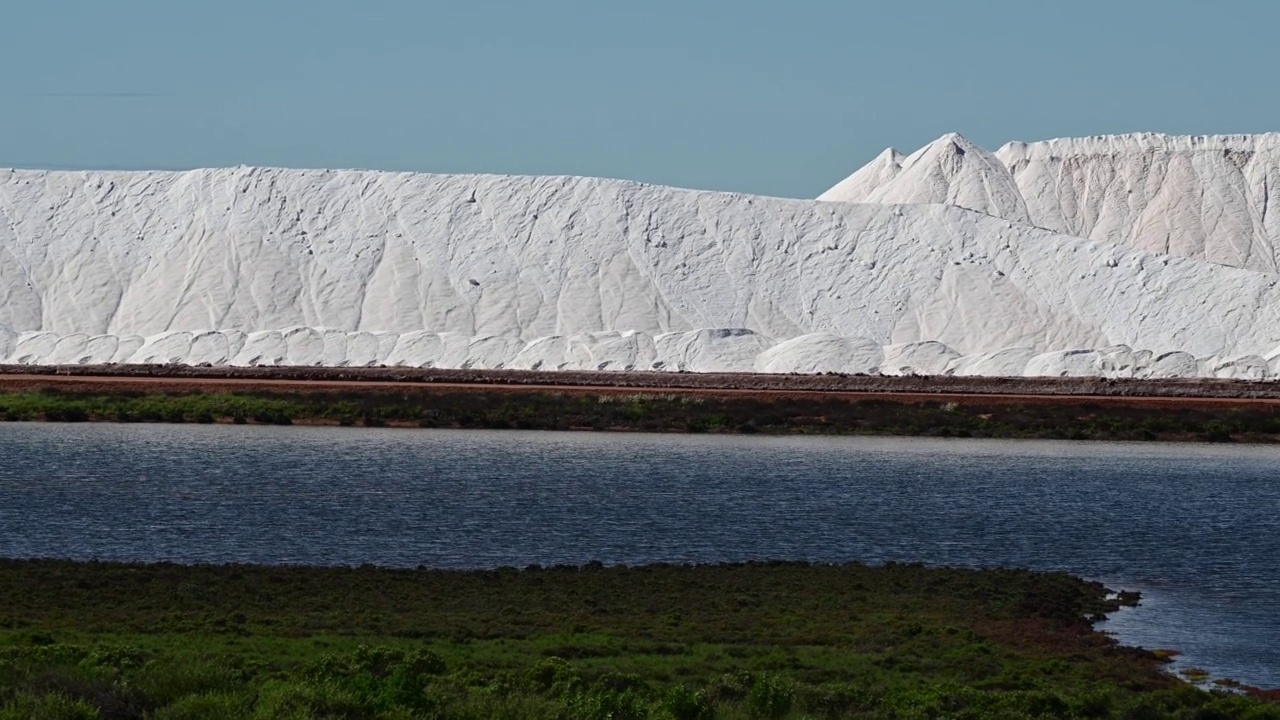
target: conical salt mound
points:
(868, 179)
(950, 170)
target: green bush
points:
(834, 700)
(554, 676)
(286, 701)
(208, 706)
(681, 703)
(48, 707)
(164, 682)
(606, 704)
(377, 678)
(771, 697)
(118, 657)
(1217, 431)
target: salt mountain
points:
(1139, 255)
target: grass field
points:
(767, 640)
(660, 412)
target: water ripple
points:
(1192, 526)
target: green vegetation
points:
(662, 412)
(765, 640)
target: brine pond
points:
(1194, 528)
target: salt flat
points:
(943, 261)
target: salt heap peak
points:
(868, 179)
(1205, 197)
(950, 170)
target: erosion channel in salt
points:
(1124, 256)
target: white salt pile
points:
(1129, 256)
(1202, 197)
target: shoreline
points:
(1174, 660)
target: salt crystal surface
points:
(1128, 256)
(1203, 197)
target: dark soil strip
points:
(1176, 388)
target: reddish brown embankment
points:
(15, 377)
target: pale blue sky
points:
(747, 95)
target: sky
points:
(745, 95)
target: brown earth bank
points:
(965, 407)
(915, 384)
(908, 387)
(984, 396)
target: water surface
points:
(1193, 527)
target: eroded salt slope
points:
(693, 351)
(1209, 198)
(266, 266)
(1204, 197)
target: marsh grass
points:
(761, 640)
(655, 412)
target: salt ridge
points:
(268, 266)
(1204, 197)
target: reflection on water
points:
(1194, 527)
